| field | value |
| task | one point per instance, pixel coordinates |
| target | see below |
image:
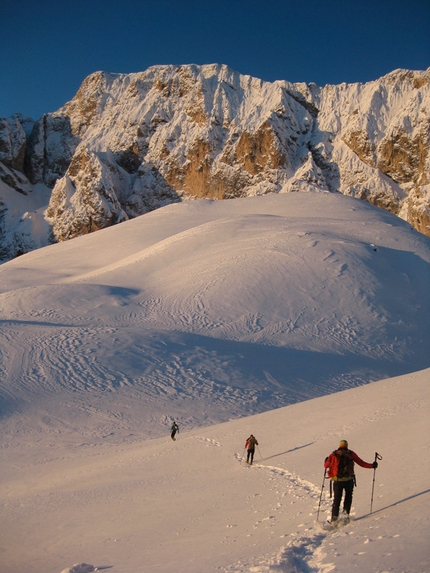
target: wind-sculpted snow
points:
(211, 310)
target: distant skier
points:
(173, 430)
(250, 444)
(340, 465)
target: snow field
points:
(191, 505)
(237, 306)
(296, 317)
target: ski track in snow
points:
(307, 551)
(294, 482)
(46, 355)
(304, 553)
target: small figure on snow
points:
(340, 465)
(173, 430)
(250, 444)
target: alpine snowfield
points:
(302, 318)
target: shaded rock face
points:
(130, 143)
(12, 143)
(50, 150)
(13, 140)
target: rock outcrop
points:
(130, 143)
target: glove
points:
(375, 465)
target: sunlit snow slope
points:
(191, 506)
(204, 311)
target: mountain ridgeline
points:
(127, 144)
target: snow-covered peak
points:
(177, 132)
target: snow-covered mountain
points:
(129, 143)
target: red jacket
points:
(251, 442)
(332, 463)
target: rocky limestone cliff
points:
(130, 143)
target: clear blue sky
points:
(48, 47)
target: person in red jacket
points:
(340, 466)
(250, 444)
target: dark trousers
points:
(172, 435)
(338, 488)
(250, 455)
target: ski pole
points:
(377, 457)
(322, 488)
(261, 457)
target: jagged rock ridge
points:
(130, 143)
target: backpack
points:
(342, 464)
(251, 441)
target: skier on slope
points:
(173, 430)
(340, 465)
(250, 444)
